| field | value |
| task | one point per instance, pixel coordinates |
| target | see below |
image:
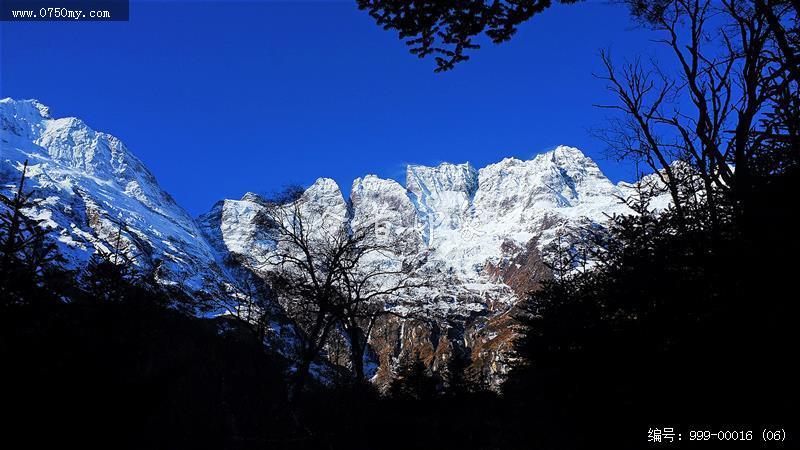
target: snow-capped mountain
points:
(89, 183)
(482, 230)
(467, 215)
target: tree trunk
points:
(300, 379)
(357, 347)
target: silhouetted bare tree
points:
(329, 277)
(708, 115)
(249, 299)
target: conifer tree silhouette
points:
(26, 252)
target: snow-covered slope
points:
(516, 201)
(90, 183)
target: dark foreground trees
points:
(135, 375)
(666, 330)
(685, 317)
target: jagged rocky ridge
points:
(482, 229)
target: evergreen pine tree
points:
(26, 252)
(414, 381)
(455, 375)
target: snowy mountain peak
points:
(378, 200)
(324, 186)
(572, 161)
(89, 183)
(21, 118)
(372, 186)
(561, 178)
(252, 197)
(565, 153)
(325, 192)
(26, 108)
(70, 142)
(326, 197)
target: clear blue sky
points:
(221, 98)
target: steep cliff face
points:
(442, 196)
(480, 231)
